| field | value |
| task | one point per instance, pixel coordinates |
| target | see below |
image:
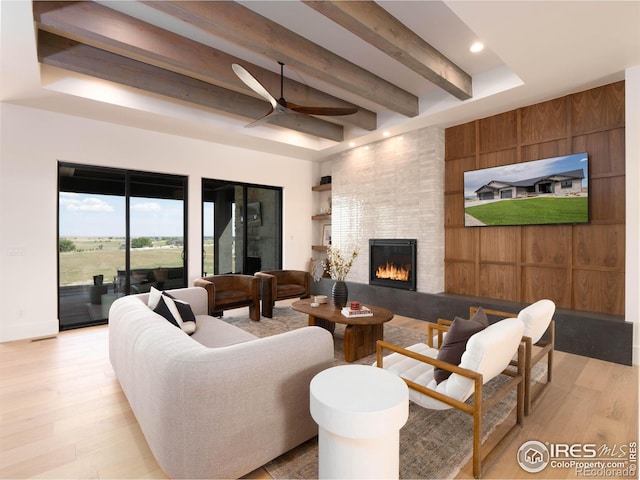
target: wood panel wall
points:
(579, 267)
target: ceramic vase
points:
(339, 294)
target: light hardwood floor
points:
(63, 414)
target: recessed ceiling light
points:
(352, 144)
(385, 134)
(476, 47)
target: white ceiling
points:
(534, 51)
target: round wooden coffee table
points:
(360, 334)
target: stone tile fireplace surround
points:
(393, 188)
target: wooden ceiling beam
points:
(375, 25)
(107, 29)
(78, 57)
(242, 26)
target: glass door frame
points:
(178, 180)
(205, 185)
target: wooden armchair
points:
(486, 356)
(282, 284)
(538, 320)
(226, 292)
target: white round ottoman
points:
(359, 410)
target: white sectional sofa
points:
(219, 403)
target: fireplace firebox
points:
(392, 263)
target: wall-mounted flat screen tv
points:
(540, 192)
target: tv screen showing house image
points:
(540, 192)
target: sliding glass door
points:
(242, 227)
(119, 232)
(157, 232)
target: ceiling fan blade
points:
(261, 120)
(253, 84)
(330, 111)
(281, 106)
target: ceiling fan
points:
(281, 106)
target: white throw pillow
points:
(154, 298)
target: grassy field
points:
(532, 211)
(106, 255)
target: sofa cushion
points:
(214, 333)
(455, 342)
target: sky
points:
(522, 171)
(207, 215)
(104, 216)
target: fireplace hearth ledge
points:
(590, 334)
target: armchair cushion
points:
(489, 352)
(536, 318)
(228, 297)
(455, 342)
(291, 290)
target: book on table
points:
(361, 312)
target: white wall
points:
(632, 177)
(31, 143)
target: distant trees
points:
(141, 242)
(66, 245)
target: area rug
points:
(433, 443)
(286, 318)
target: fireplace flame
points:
(392, 272)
